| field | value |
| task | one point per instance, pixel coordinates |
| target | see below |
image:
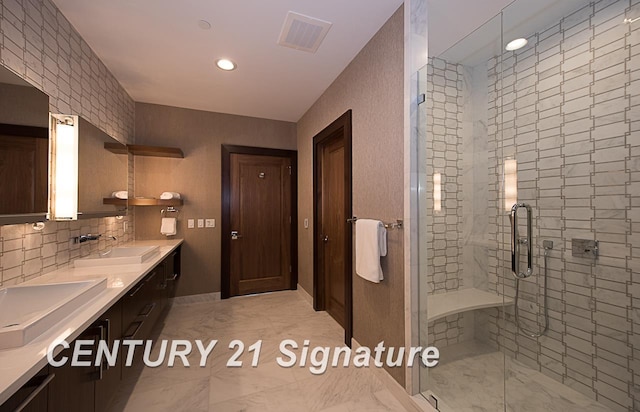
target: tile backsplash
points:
(39, 44)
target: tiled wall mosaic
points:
(40, 45)
(567, 108)
(444, 96)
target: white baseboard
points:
(305, 295)
(423, 404)
(200, 298)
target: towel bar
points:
(398, 224)
(170, 209)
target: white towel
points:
(371, 243)
(170, 195)
(122, 194)
(168, 227)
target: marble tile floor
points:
(268, 387)
(475, 383)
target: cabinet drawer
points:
(137, 302)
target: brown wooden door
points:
(332, 230)
(332, 245)
(260, 223)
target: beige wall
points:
(373, 87)
(198, 177)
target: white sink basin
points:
(118, 256)
(27, 311)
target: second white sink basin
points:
(118, 256)
(27, 311)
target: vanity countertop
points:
(18, 365)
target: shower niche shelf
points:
(450, 303)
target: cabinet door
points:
(172, 272)
(32, 397)
(72, 390)
(110, 376)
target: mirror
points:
(102, 170)
(24, 150)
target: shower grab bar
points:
(516, 241)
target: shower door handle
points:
(516, 241)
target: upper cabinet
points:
(24, 150)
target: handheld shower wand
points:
(516, 241)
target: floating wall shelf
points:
(140, 150)
(116, 148)
(156, 151)
(142, 202)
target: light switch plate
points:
(200, 223)
(306, 223)
(210, 223)
(190, 223)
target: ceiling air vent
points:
(302, 32)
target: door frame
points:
(225, 258)
(343, 123)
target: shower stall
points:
(529, 144)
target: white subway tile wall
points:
(444, 100)
(566, 107)
(40, 45)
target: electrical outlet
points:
(190, 223)
(210, 223)
(200, 223)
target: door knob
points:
(325, 238)
(235, 235)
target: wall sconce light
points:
(63, 168)
(437, 192)
(510, 183)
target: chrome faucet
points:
(87, 237)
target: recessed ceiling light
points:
(204, 25)
(516, 44)
(225, 64)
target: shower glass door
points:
(534, 307)
(461, 294)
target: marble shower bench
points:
(445, 304)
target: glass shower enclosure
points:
(530, 142)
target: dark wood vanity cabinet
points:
(171, 266)
(72, 389)
(91, 388)
(109, 377)
(140, 311)
(33, 396)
